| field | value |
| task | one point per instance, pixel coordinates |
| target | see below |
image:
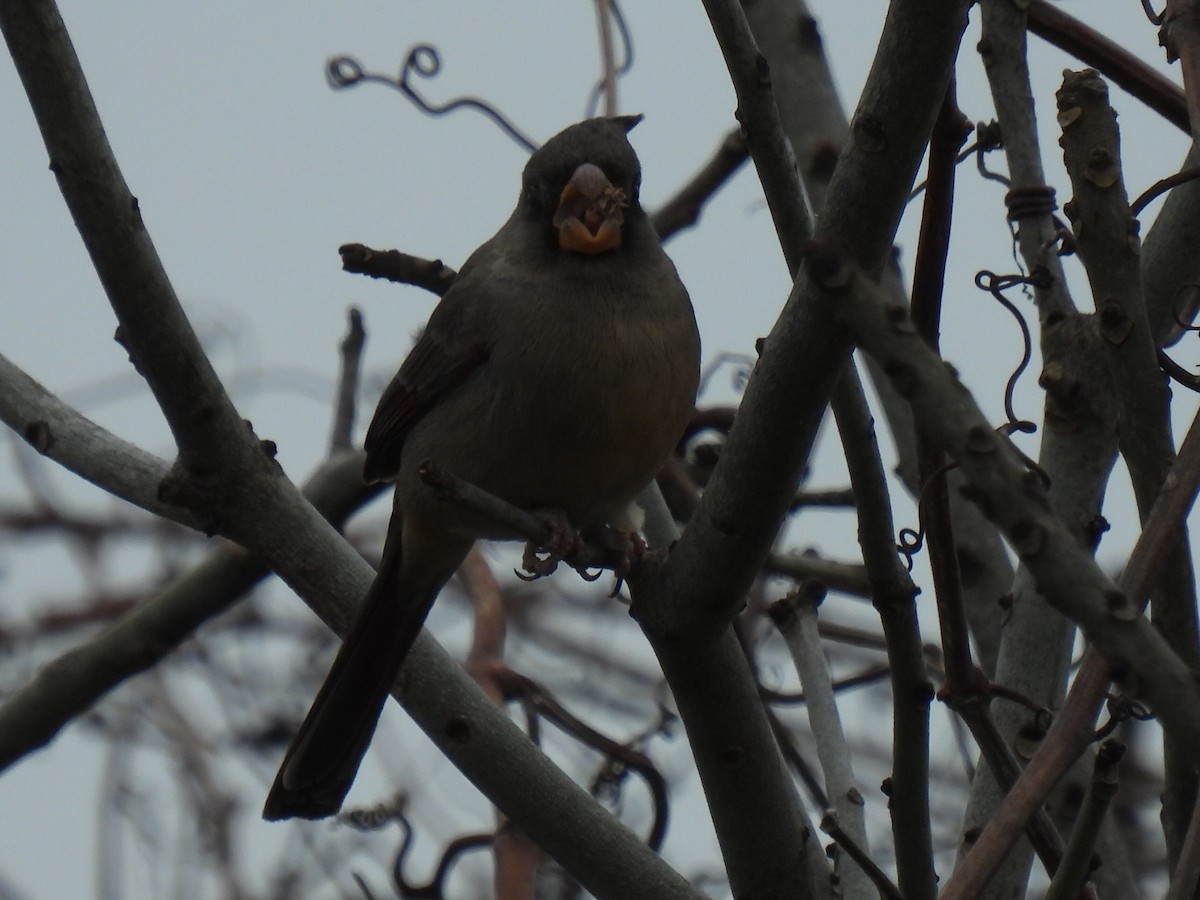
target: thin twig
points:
(796, 619)
(430, 274)
(887, 890)
(1078, 859)
(684, 208)
(522, 525)
(342, 433)
(1160, 187)
(1048, 21)
(608, 67)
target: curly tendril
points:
(425, 61)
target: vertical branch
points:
(341, 435)
(1106, 235)
(1180, 35)
(796, 619)
(965, 689)
(1186, 877)
(929, 279)
(759, 118)
(1003, 49)
(516, 856)
(1107, 239)
(604, 25)
(1078, 445)
(817, 128)
(1170, 267)
(894, 596)
(1072, 875)
(690, 602)
(759, 821)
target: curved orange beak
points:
(589, 214)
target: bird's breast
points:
(576, 408)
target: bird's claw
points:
(560, 541)
(629, 549)
(626, 550)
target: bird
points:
(557, 372)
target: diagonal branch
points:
(153, 327)
(67, 687)
(244, 496)
(59, 432)
(683, 209)
(1014, 498)
(1072, 730)
(688, 606)
(1048, 21)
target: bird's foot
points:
(628, 548)
(559, 541)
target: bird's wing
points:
(450, 348)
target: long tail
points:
(324, 757)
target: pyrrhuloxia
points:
(557, 372)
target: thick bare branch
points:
(240, 489)
(1014, 497)
(63, 434)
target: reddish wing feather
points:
(427, 374)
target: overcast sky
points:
(251, 171)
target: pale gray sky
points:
(250, 172)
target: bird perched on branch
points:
(557, 373)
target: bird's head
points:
(584, 184)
